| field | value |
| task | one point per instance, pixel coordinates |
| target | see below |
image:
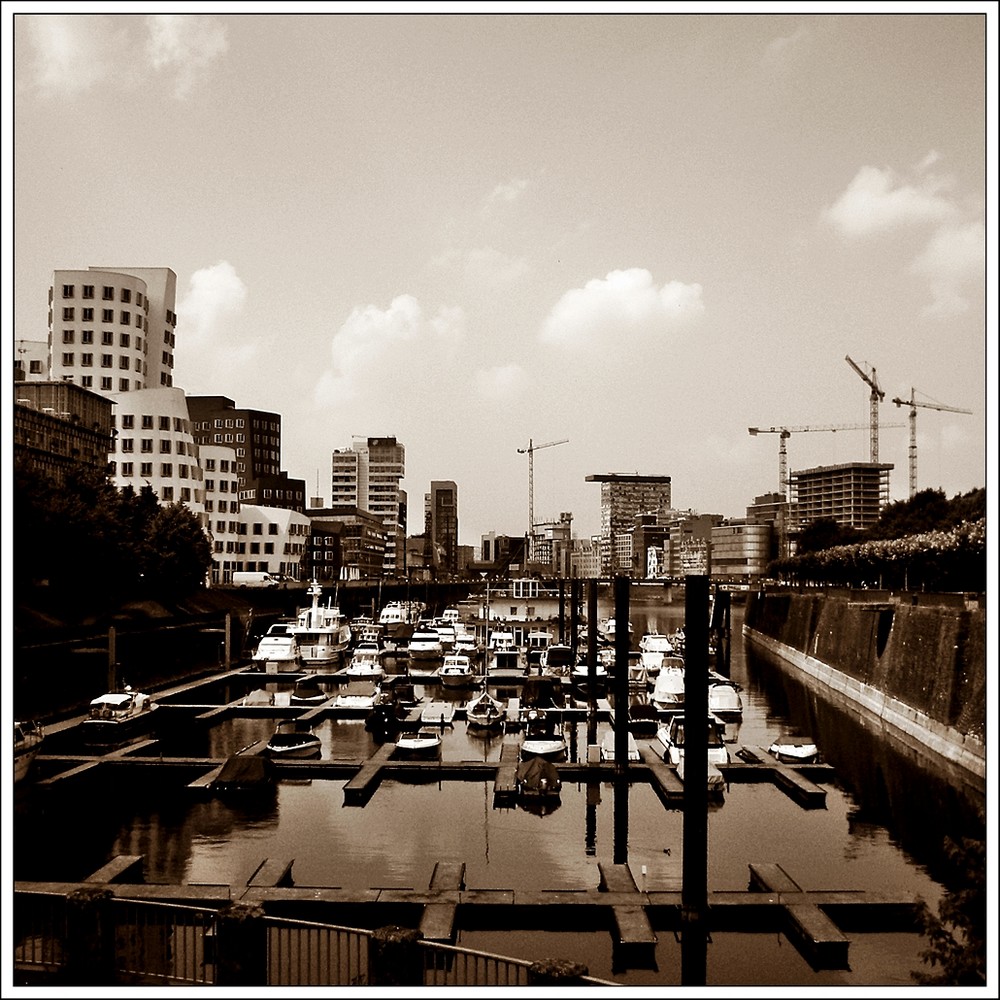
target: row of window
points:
(127, 446)
(107, 338)
(223, 465)
(107, 361)
(107, 293)
(179, 424)
(204, 425)
(223, 506)
(224, 485)
(107, 316)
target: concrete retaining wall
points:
(920, 668)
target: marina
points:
(356, 790)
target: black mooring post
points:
(620, 679)
(592, 657)
(621, 787)
(574, 618)
(694, 889)
(562, 609)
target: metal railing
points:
(162, 943)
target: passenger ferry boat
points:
(322, 632)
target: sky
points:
(639, 234)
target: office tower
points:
(441, 519)
(367, 475)
(254, 435)
(623, 497)
(852, 494)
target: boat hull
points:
(103, 732)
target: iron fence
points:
(300, 953)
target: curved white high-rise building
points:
(111, 330)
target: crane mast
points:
(913, 403)
(530, 452)
(877, 395)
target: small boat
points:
(536, 643)
(244, 775)
(608, 747)
(537, 778)
(542, 738)
(446, 632)
(293, 739)
(357, 695)
(118, 715)
(425, 644)
(671, 738)
(503, 655)
(398, 619)
(258, 698)
(654, 647)
(456, 671)
(366, 663)
(438, 713)
(308, 692)
(792, 749)
(724, 701)
(323, 632)
(643, 720)
(668, 690)
(28, 738)
(422, 743)
(580, 675)
(277, 651)
(556, 660)
(485, 712)
(451, 615)
(609, 629)
(388, 713)
(544, 693)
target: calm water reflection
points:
(406, 827)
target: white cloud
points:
(185, 44)
(214, 295)
(72, 53)
(784, 48)
(505, 194)
(501, 383)
(624, 304)
(877, 201)
(954, 257)
(373, 342)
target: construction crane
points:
(530, 452)
(913, 403)
(877, 395)
(785, 433)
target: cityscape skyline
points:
(469, 275)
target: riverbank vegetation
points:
(83, 542)
(927, 542)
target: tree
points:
(825, 533)
(178, 553)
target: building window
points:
(146, 444)
(255, 548)
(224, 507)
(166, 470)
(126, 468)
(35, 367)
(87, 381)
(87, 360)
(106, 360)
(269, 548)
(107, 315)
(88, 291)
(138, 321)
(147, 421)
(67, 291)
(126, 295)
(126, 317)
(112, 468)
(87, 336)
(182, 471)
(168, 494)
(68, 336)
(108, 294)
(258, 528)
(107, 338)
(137, 364)
(123, 385)
(146, 470)
(106, 384)
(88, 315)
(68, 313)
(272, 529)
(128, 420)
(164, 446)
(209, 506)
(164, 423)
(166, 358)
(128, 444)
(124, 340)
(123, 362)
(68, 358)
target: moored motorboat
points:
(322, 632)
(425, 649)
(251, 774)
(542, 737)
(485, 712)
(537, 778)
(654, 647)
(724, 700)
(671, 738)
(117, 716)
(608, 746)
(580, 675)
(438, 713)
(366, 663)
(794, 749)
(643, 720)
(456, 671)
(278, 650)
(422, 743)
(28, 739)
(358, 695)
(668, 690)
(294, 739)
(556, 660)
(307, 692)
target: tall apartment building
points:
(255, 435)
(367, 475)
(623, 497)
(441, 523)
(112, 329)
(852, 494)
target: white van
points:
(243, 579)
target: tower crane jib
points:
(913, 403)
(876, 397)
(530, 452)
